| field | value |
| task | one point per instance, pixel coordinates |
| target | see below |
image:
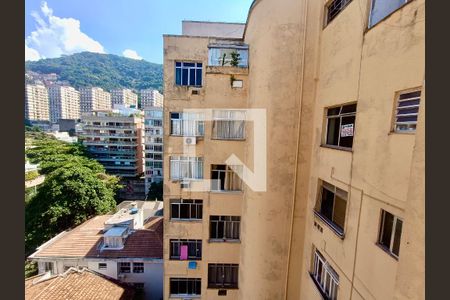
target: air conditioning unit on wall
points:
(189, 140)
(185, 184)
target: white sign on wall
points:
(347, 130)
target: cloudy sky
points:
(131, 28)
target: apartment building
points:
(124, 97)
(115, 139)
(342, 214)
(202, 241)
(64, 103)
(36, 103)
(94, 98)
(151, 98)
(125, 246)
(153, 146)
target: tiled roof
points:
(76, 285)
(85, 239)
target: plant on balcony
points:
(235, 59)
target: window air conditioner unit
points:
(190, 140)
(185, 184)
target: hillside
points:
(107, 71)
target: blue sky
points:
(56, 27)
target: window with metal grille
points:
(223, 276)
(185, 287)
(187, 124)
(331, 206)
(390, 233)
(185, 167)
(124, 267)
(138, 267)
(324, 276)
(194, 249)
(407, 111)
(225, 178)
(224, 228)
(186, 209)
(340, 126)
(228, 124)
(334, 8)
(188, 73)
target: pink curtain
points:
(184, 253)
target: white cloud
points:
(131, 54)
(55, 36)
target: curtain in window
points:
(228, 124)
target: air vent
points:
(195, 92)
(222, 292)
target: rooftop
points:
(85, 241)
(76, 284)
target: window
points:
(48, 267)
(223, 276)
(383, 8)
(185, 286)
(331, 206)
(218, 56)
(324, 276)
(138, 267)
(223, 178)
(185, 249)
(102, 266)
(184, 167)
(334, 8)
(224, 227)
(390, 233)
(186, 209)
(124, 267)
(188, 74)
(407, 111)
(228, 124)
(187, 124)
(341, 126)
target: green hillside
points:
(107, 71)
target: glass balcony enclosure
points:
(222, 55)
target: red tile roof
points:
(85, 239)
(76, 285)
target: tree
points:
(69, 196)
(155, 191)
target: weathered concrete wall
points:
(214, 29)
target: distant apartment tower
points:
(94, 98)
(153, 146)
(36, 103)
(150, 98)
(115, 139)
(64, 103)
(124, 97)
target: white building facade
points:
(64, 103)
(153, 146)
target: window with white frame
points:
(188, 73)
(185, 249)
(340, 122)
(186, 167)
(407, 111)
(382, 8)
(190, 287)
(187, 124)
(228, 124)
(138, 267)
(334, 8)
(48, 267)
(224, 178)
(390, 233)
(227, 55)
(325, 277)
(224, 227)
(186, 209)
(124, 267)
(331, 206)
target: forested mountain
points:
(107, 71)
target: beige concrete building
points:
(94, 98)
(36, 103)
(151, 98)
(124, 97)
(342, 216)
(64, 103)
